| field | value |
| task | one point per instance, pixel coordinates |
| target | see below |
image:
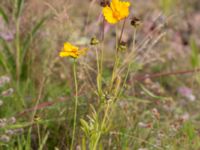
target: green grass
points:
(106, 101)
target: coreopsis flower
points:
(70, 50)
(116, 11)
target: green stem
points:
(129, 65)
(100, 64)
(39, 137)
(76, 104)
(96, 142)
(117, 59)
(122, 31)
(17, 44)
(94, 147)
(18, 59)
(99, 78)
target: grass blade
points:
(19, 6)
(44, 141)
(3, 14)
(29, 38)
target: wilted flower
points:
(145, 125)
(105, 3)
(11, 120)
(4, 80)
(94, 41)
(9, 132)
(117, 11)
(135, 21)
(122, 46)
(4, 138)
(7, 92)
(155, 113)
(7, 36)
(70, 50)
(187, 93)
(2, 123)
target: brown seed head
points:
(135, 21)
(94, 41)
(122, 46)
(104, 3)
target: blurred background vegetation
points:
(156, 112)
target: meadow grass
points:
(134, 88)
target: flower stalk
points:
(76, 104)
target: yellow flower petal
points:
(114, 5)
(124, 7)
(70, 50)
(69, 47)
(117, 11)
(67, 54)
(108, 14)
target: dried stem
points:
(161, 74)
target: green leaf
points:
(18, 6)
(194, 58)
(30, 36)
(3, 62)
(44, 141)
(151, 94)
(7, 56)
(189, 129)
(167, 5)
(3, 14)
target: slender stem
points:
(129, 65)
(17, 44)
(106, 114)
(97, 141)
(99, 77)
(18, 58)
(161, 74)
(38, 130)
(76, 104)
(102, 126)
(117, 54)
(122, 31)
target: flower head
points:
(116, 11)
(70, 50)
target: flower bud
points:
(135, 22)
(122, 46)
(105, 3)
(94, 41)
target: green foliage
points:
(167, 5)
(18, 8)
(195, 56)
(125, 113)
(189, 130)
(9, 57)
(3, 14)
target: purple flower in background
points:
(7, 36)
(187, 93)
(6, 33)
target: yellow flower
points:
(70, 50)
(117, 11)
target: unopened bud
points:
(135, 21)
(122, 46)
(105, 3)
(94, 41)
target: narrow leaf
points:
(3, 14)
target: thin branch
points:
(162, 74)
